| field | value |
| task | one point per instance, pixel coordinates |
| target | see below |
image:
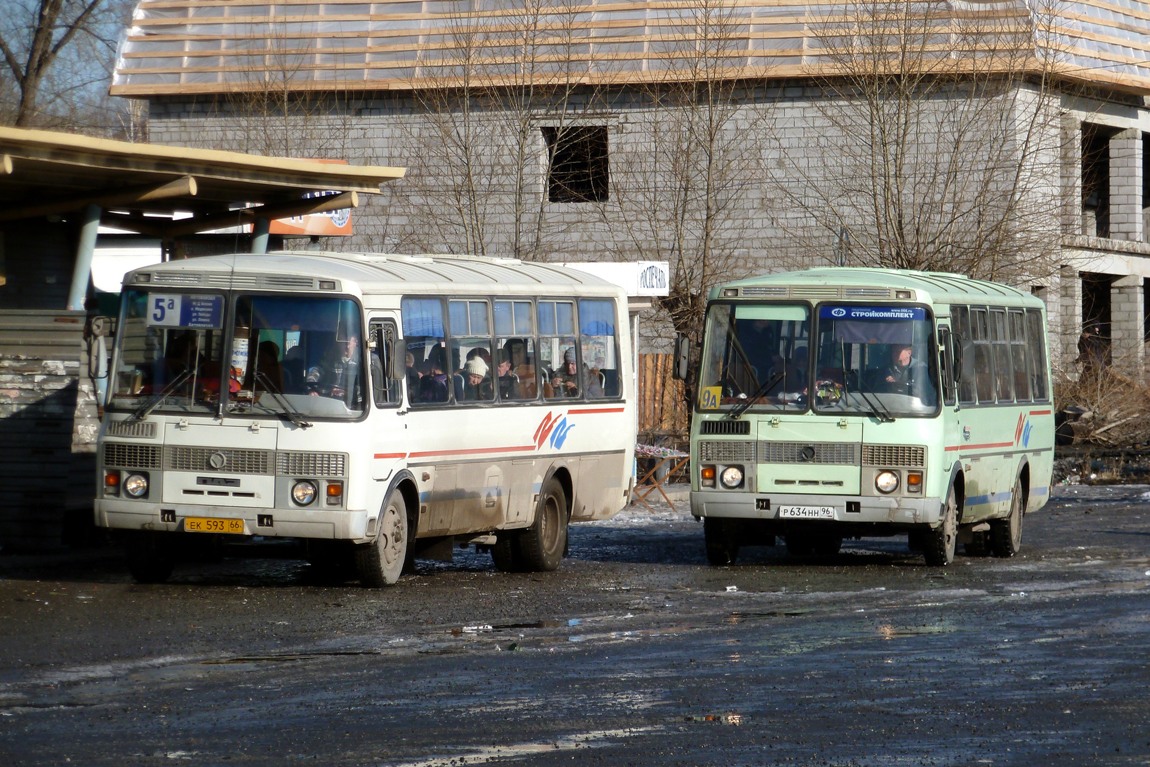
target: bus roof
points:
(369, 272)
(861, 283)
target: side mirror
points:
(682, 357)
(398, 367)
(956, 354)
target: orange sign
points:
(334, 223)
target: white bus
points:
(843, 402)
(374, 407)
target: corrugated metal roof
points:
(303, 269)
(226, 46)
(45, 173)
(867, 283)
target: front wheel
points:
(721, 542)
(542, 545)
(1006, 534)
(381, 562)
(939, 543)
(149, 556)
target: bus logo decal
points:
(1022, 431)
(555, 428)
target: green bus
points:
(841, 403)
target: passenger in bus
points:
(507, 380)
(338, 375)
(907, 374)
(433, 384)
(565, 380)
(412, 374)
(268, 372)
(476, 383)
(903, 368)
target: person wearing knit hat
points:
(565, 380)
(477, 386)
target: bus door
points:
(387, 437)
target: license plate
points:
(807, 512)
(211, 525)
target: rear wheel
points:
(541, 546)
(381, 562)
(722, 546)
(939, 543)
(505, 553)
(1006, 534)
(149, 556)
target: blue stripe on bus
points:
(978, 500)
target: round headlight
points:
(886, 481)
(732, 476)
(136, 485)
(304, 492)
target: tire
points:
(505, 553)
(1006, 534)
(827, 544)
(722, 548)
(800, 544)
(381, 562)
(541, 546)
(978, 545)
(940, 542)
(150, 556)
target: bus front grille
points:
(911, 456)
(836, 453)
(130, 456)
(226, 460)
(312, 464)
(727, 452)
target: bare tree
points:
(940, 146)
(59, 54)
(486, 102)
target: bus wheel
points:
(827, 544)
(505, 553)
(940, 542)
(541, 546)
(722, 545)
(800, 544)
(380, 563)
(149, 557)
(1006, 534)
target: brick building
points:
(998, 138)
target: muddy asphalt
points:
(635, 652)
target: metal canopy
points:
(139, 187)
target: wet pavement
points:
(635, 652)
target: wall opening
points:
(578, 167)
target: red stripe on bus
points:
(475, 451)
(951, 448)
(1041, 412)
(593, 411)
(385, 456)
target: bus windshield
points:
(756, 355)
(874, 360)
(868, 360)
(295, 357)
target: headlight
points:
(732, 477)
(136, 485)
(304, 492)
(886, 482)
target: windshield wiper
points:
(154, 402)
(878, 410)
(738, 410)
(289, 412)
